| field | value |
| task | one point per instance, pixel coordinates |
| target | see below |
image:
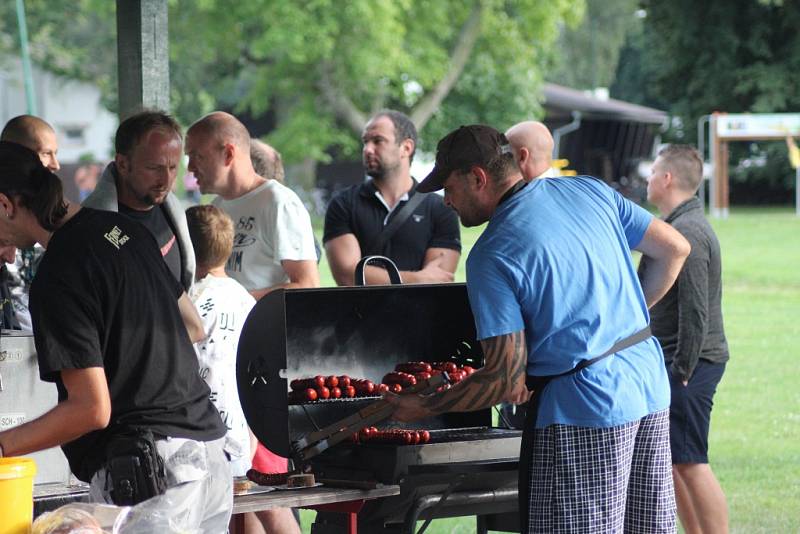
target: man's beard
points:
(381, 171)
(149, 199)
(377, 173)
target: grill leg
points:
(480, 524)
(420, 505)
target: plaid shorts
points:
(615, 479)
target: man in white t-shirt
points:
(274, 242)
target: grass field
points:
(755, 433)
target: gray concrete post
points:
(143, 55)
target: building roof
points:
(560, 100)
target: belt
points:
(537, 383)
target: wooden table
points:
(322, 498)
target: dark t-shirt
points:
(159, 225)
(356, 210)
(688, 320)
(103, 297)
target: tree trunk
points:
(302, 175)
(346, 111)
(458, 60)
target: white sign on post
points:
(758, 125)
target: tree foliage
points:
(324, 66)
(588, 54)
(321, 67)
(72, 38)
(693, 58)
(719, 55)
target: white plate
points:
(255, 489)
(285, 487)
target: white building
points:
(84, 128)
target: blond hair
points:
(211, 232)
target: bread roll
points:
(300, 481)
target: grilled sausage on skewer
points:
(363, 387)
(300, 384)
(397, 377)
(413, 367)
(299, 397)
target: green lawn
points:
(755, 434)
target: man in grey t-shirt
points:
(688, 323)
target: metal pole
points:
(701, 148)
(30, 92)
(143, 55)
(558, 133)
(712, 153)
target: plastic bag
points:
(174, 512)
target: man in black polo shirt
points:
(138, 184)
(426, 246)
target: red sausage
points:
(299, 384)
(397, 377)
(298, 397)
(413, 367)
(363, 387)
(447, 367)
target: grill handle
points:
(380, 261)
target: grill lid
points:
(359, 331)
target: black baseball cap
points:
(476, 144)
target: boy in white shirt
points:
(223, 305)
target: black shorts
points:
(690, 413)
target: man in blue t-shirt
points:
(554, 291)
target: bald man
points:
(532, 145)
(274, 242)
(273, 245)
(35, 134)
(267, 161)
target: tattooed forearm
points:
(506, 358)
